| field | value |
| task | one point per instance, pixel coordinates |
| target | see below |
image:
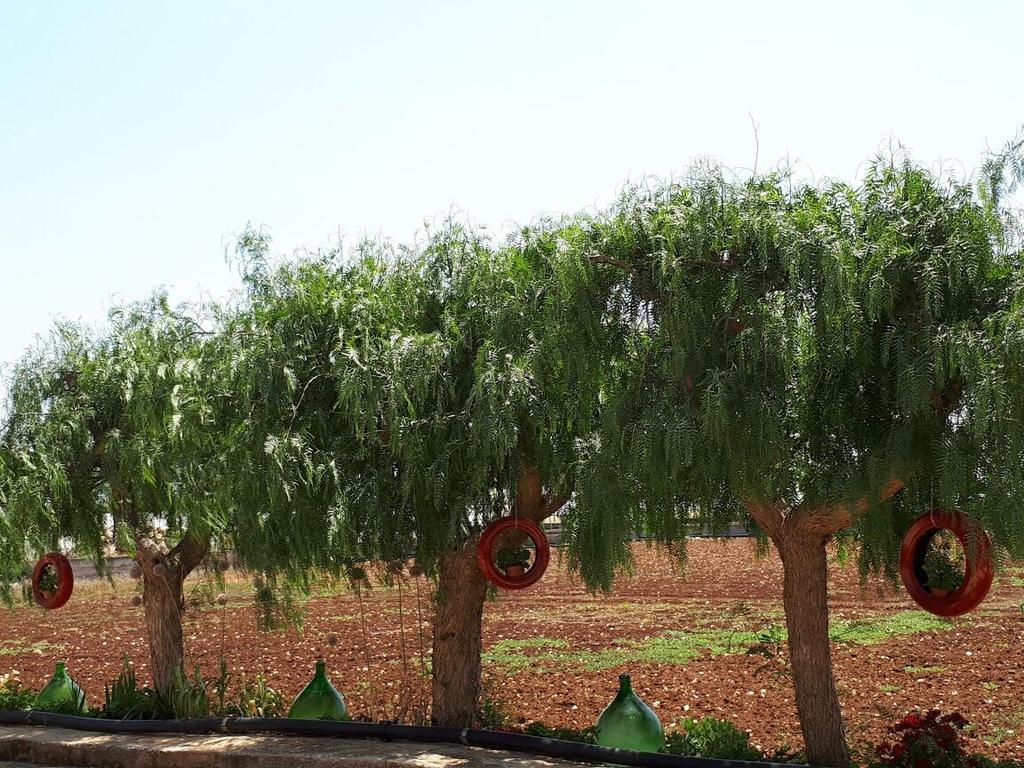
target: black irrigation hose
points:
(512, 742)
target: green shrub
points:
(711, 737)
(493, 716)
(257, 699)
(13, 697)
(186, 697)
(190, 697)
(943, 562)
(124, 700)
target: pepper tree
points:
(824, 362)
(115, 439)
(403, 399)
(319, 481)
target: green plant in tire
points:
(513, 561)
(943, 563)
(48, 580)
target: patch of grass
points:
(1004, 729)
(924, 671)
(677, 648)
(880, 629)
(681, 647)
(990, 686)
(668, 648)
(17, 647)
(889, 688)
(509, 653)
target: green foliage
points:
(943, 562)
(124, 700)
(186, 697)
(13, 696)
(48, 579)
(802, 345)
(712, 738)
(256, 698)
(191, 697)
(115, 437)
(493, 716)
(508, 556)
(678, 647)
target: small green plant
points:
(14, 697)
(48, 580)
(257, 699)
(124, 700)
(186, 698)
(509, 557)
(711, 737)
(493, 716)
(943, 563)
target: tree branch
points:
(189, 552)
(598, 258)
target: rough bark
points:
(163, 578)
(805, 599)
(458, 615)
(801, 536)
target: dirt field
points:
(553, 652)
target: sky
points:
(137, 139)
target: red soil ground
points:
(968, 665)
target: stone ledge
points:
(65, 747)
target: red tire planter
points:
(485, 553)
(978, 573)
(65, 581)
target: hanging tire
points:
(65, 581)
(485, 553)
(977, 575)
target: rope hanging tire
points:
(485, 553)
(52, 581)
(977, 576)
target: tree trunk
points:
(458, 614)
(163, 578)
(805, 598)
(459, 610)
(800, 536)
(163, 600)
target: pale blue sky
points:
(137, 138)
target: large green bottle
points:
(319, 700)
(62, 694)
(628, 723)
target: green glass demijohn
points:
(628, 723)
(61, 694)
(319, 700)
